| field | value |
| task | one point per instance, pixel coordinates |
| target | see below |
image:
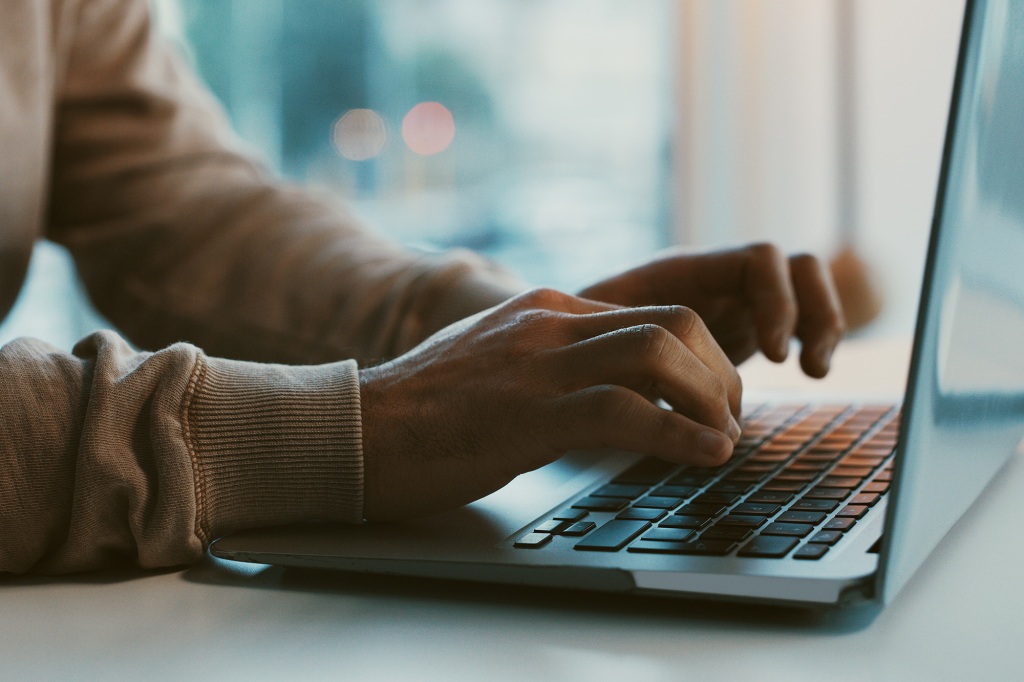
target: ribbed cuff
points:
(274, 444)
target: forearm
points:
(181, 235)
(113, 456)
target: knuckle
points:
(650, 341)
(736, 384)
(805, 260)
(765, 251)
(720, 399)
(684, 321)
(533, 329)
(543, 297)
(530, 318)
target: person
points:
(341, 377)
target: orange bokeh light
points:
(428, 128)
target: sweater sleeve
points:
(110, 455)
(181, 236)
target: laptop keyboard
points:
(799, 479)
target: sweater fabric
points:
(258, 298)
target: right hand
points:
(515, 387)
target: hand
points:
(750, 298)
(515, 387)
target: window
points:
(534, 132)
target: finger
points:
(769, 289)
(648, 355)
(821, 324)
(683, 323)
(613, 417)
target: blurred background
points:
(569, 138)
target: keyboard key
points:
(876, 487)
(658, 547)
(744, 520)
(857, 460)
(613, 535)
(867, 499)
(700, 547)
(689, 479)
(733, 533)
(820, 454)
(770, 497)
(853, 511)
(654, 502)
(756, 508)
(704, 471)
(813, 518)
(708, 547)
(796, 530)
(634, 514)
(629, 492)
(716, 498)
(840, 523)
(814, 505)
(611, 504)
(811, 552)
(784, 486)
(840, 482)
(822, 493)
(806, 466)
(579, 529)
(647, 471)
(745, 476)
(669, 534)
(533, 540)
(683, 521)
(552, 526)
(770, 458)
(698, 509)
(789, 476)
(769, 547)
(827, 537)
(731, 487)
(674, 491)
(570, 514)
(857, 472)
(756, 467)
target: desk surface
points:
(959, 618)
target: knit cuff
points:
(274, 444)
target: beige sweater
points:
(109, 146)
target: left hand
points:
(751, 298)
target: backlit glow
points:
(428, 128)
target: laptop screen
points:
(964, 414)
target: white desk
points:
(960, 618)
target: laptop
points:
(822, 505)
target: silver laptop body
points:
(962, 415)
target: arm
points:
(109, 455)
(180, 235)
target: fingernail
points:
(734, 429)
(714, 445)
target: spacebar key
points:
(612, 536)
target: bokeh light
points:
(428, 128)
(360, 134)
